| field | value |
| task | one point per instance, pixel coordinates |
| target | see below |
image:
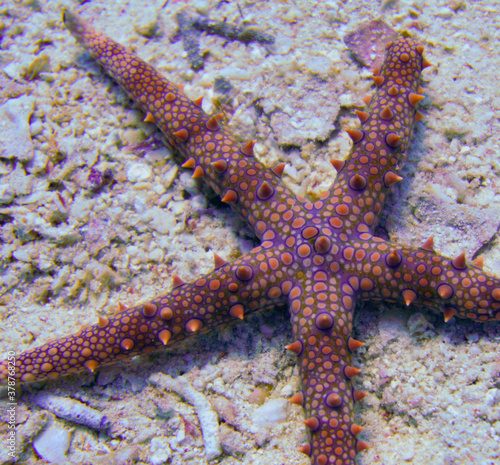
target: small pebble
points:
(6, 194)
(137, 172)
(319, 65)
(271, 413)
(199, 203)
(408, 452)
(188, 183)
(15, 114)
(169, 176)
(258, 396)
(52, 444)
(160, 451)
(147, 26)
(22, 255)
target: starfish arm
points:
(322, 324)
(208, 148)
(230, 292)
(423, 278)
(370, 170)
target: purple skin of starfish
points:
(318, 258)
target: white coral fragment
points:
(73, 411)
(207, 417)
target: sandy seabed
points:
(70, 250)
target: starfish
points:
(319, 258)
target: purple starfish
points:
(319, 258)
